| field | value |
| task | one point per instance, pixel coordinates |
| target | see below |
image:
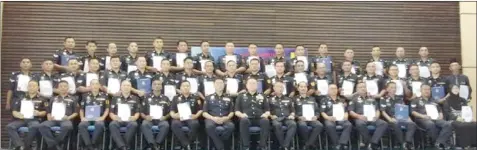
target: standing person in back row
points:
(380, 63)
(155, 57)
(91, 47)
(324, 58)
(424, 62)
(355, 65)
(62, 56)
(229, 55)
(177, 59)
(280, 57)
(105, 63)
(19, 82)
(402, 62)
(128, 61)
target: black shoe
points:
(374, 146)
(408, 146)
(59, 147)
(338, 147)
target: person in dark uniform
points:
(372, 78)
(32, 121)
(19, 82)
(437, 83)
(54, 118)
(357, 112)
(155, 100)
(300, 75)
(415, 80)
(424, 62)
(354, 64)
(458, 79)
(177, 64)
(254, 68)
(105, 61)
(253, 110)
(331, 120)
(188, 75)
(282, 114)
(186, 100)
(229, 56)
(302, 100)
(234, 77)
(347, 76)
(218, 111)
(89, 100)
(168, 79)
(91, 54)
(431, 124)
(124, 112)
(281, 76)
(325, 58)
(387, 106)
(71, 76)
(202, 58)
(45, 79)
(207, 80)
(465, 129)
(128, 62)
(84, 79)
(401, 85)
(252, 50)
(321, 77)
(280, 57)
(401, 62)
(62, 56)
(381, 65)
(111, 79)
(154, 58)
(300, 55)
(141, 79)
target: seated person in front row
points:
(364, 111)
(282, 114)
(218, 111)
(334, 113)
(428, 115)
(27, 112)
(252, 109)
(61, 110)
(124, 112)
(308, 113)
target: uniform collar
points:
(279, 58)
(401, 59)
(90, 57)
(255, 94)
(27, 96)
(206, 55)
(155, 52)
(373, 76)
(68, 52)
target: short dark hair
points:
(187, 58)
(345, 62)
(165, 60)
(413, 65)
(376, 46)
(255, 59)
(248, 79)
(203, 41)
(179, 41)
(322, 44)
(116, 56)
(25, 58)
(216, 79)
(91, 41)
(252, 44)
(63, 81)
(229, 41)
(279, 44)
(68, 37)
(230, 62)
(283, 62)
(390, 83)
(158, 38)
(45, 60)
(92, 60)
(300, 45)
(299, 61)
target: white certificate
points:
(338, 111)
(232, 86)
(399, 88)
(431, 111)
(124, 112)
(27, 109)
(58, 110)
(424, 71)
(379, 67)
(322, 86)
(464, 92)
(71, 84)
(301, 77)
(209, 87)
(353, 69)
(466, 113)
(270, 70)
(180, 59)
(113, 85)
(194, 85)
(304, 59)
(108, 62)
(22, 82)
(402, 70)
(416, 88)
(308, 111)
(202, 64)
(369, 112)
(86, 65)
(155, 111)
(89, 77)
(347, 87)
(46, 88)
(230, 58)
(156, 62)
(372, 87)
(184, 111)
(131, 68)
(170, 91)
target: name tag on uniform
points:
(347, 87)
(194, 85)
(46, 88)
(308, 111)
(464, 92)
(156, 61)
(270, 70)
(180, 59)
(369, 111)
(92, 112)
(131, 68)
(401, 112)
(232, 86)
(431, 111)
(322, 86)
(170, 91)
(438, 92)
(113, 85)
(124, 112)
(184, 111)
(424, 71)
(155, 111)
(209, 87)
(416, 88)
(90, 77)
(402, 70)
(22, 82)
(467, 113)
(27, 109)
(58, 110)
(71, 84)
(338, 112)
(144, 84)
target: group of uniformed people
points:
(161, 91)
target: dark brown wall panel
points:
(36, 29)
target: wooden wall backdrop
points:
(36, 29)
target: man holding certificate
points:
(396, 112)
(254, 67)
(128, 61)
(414, 81)
(347, 80)
(282, 114)
(320, 82)
(155, 112)
(111, 79)
(45, 79)
(324, 58)
(282, 77)
(364, 111)
(308, 112)
(401, 62)
(61, 111)
(185, 111)
(437, 82)
(229, 56)
(252, 50)
(401, 85)
(27, 112)
(94, 110)
(374, 83)
(380, 64)
(218, 112)
(19, 82)
(301, 76)
(70, 77)
(233, 85)
(201, 58)
(206, 81)
(300, 55)
(459, 79)
(177, 59)
(253, 110)
(155, 57)
(189, 76)
(124, 112)
(334, 113)
(428, 115)
(354, 67)
(280, 57)
(141, 79)
(168, 79)
(424, 62)
(84, 79)
(105, 61)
